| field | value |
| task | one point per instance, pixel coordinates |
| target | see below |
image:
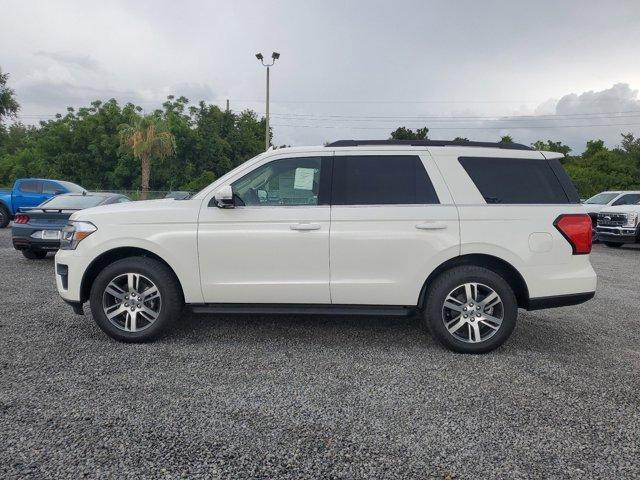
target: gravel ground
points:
(309, 397)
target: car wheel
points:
(34, 254)
(135, 299)
(613, 244)
(5, 218)
(470, 309)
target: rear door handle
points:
(431, 226)
(305, 226)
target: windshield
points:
(601, 198)
(73, 202)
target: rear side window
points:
(519, 180)
(381, 180)
(31, 187)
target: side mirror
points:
(59, 192)
(223, 197)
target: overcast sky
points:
(348, 69)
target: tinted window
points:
(31, 187)
(123, 200)
(289, 181)
(73, 202)
(381, 180)
(630, 199)
(50, 188)
(72, 187)
(515, 180)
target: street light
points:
(274, 56)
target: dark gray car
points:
(36, 231)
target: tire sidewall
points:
(159, 275)
(5, 217)
(454, 278)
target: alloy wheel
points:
(473, 312)
(131, 302)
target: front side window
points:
(515, 180)
(630, 199)
(288, 181)
(50, 188)
(31, 187)
(381, 180)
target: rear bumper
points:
(559, 300)
(22, 243)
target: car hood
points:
(621, 209)
(148, 211)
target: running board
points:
(294, 309)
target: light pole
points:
(274, 57)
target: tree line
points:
(184, 146)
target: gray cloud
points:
(82, 61)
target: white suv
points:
(462, 234)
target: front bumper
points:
(618, 234)
(70, 267)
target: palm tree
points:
(147, 138)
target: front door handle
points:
(305, 226)
(431, 226)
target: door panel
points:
(382, 254)
(264, 254)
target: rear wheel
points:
(613, 244)
(5, 218)
(34, 254)
(135, 299)
(470, 309)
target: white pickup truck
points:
(620, 224)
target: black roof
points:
(429, 143)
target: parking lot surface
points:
(310, 397)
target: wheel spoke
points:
(452, 306)
(115, 291)
(471, 291)
(150, 294)
(114, 310)
(148, 314)
(455, 324)
(490, 318)
(491, 300)
(475, 329)
(130, 323)
(133, 279)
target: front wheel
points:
(613, 244)
(470, 309)
(135, 299)
(34, 254)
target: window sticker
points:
(304, 179)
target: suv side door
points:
(273, 246)
(392, 223)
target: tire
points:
(141, 326)
(34, 254)
(5, 217)
(493, 323)
(613, 244)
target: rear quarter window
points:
(520, 180)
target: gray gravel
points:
(309, 397)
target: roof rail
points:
(429, 143)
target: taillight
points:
(21, 219)
(576, 228)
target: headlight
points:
(632, 219)
(74, 233)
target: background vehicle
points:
(620, 224)
(37, 231)
(596, 203)
(30, 192)
(462, 233)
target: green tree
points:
(506, 139)
(551, 146)
(8, 105)
(148, 139)
(403, 133)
